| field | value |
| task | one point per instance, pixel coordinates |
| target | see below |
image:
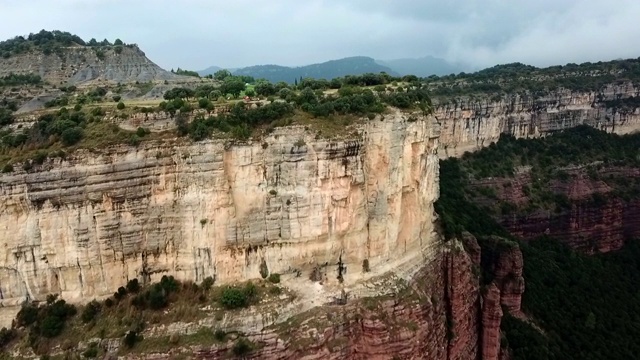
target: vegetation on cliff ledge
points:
(577, 306)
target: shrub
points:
(6, 336)
(233, 298)
(116, 98)
(90, 311)
(365, 265)
(120, 105)
(157, 298)
(220, 335)
(242, 347)
(264, 270)
(207, 283)
(131, 339)
(72, 135)
(78, 107)
(91, 352)
(134, 140)
(142, 132)
(108, 302)
(274, 278)
(133, 286)
(7, 168)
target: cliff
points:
(79, 64)
(600, 213)
(84, 225)
(469, 125)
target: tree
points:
(221, 74)
(265, 88)
(204, 103)
(72, 135)
(120, 105)
(233, 85)
(118, 42)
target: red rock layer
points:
(592, 226)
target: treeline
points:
(352, 98)
(48, 42)
(520, 78)
(20, 79)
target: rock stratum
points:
(83, 64)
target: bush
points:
(157, 298)
(219, 335)
(131, 338)
(7, 168)
(91, 352)
(120, 105)
(274, 278)
(6, 336)
(116, 98)
(242, 347)
(72, 136)
(133, 286)
(90, 311)
(207, 283)
(108, 302)
(233, 298)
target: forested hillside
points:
(577, 306)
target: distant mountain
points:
(328, 70)
(422, 67)
(209, 71)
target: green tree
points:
(233, 85)
(118, 42)
(120, 105)
(265, 88)
(221, 74)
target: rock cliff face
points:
(596, 221)
(470, 125)
(83, 226)
(80, 64)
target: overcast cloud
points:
(195, 34)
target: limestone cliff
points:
(468, 125)
(84, 225)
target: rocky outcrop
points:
(491, 317)
(463, 299)
(84, 225)
(79, 64)
(468, 125)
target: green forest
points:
(580, 306)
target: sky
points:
(195, 34)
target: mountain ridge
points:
(354, 65)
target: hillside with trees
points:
(578, 306)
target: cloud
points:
(197, 33)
